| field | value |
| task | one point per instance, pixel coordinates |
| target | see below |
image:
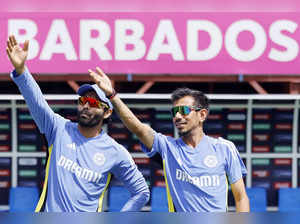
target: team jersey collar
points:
(197, 148)
(102, 134)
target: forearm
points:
(242, 205)
(143, 132)
(240, 196)
(39, 109)
(136, 202)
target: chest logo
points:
(99, 159)
(71, 146)
(211, 161)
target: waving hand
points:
(102, 80)
(16, 54)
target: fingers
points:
(98, 75)
(10, 41)
(99, 71)
(14, 41)
(9, 46)
(26, 45)
(92, 74)
(8, 53)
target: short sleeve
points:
(159, 145)
(235, 168)
(127, 172)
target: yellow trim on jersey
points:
(43, 195)
(102, 195)
(226, 193)
(170, 201)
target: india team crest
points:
(99, 159)
(211, 161)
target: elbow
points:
(140, 133)
(146, 195)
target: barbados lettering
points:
(78, 170)
(202, 181)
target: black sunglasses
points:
(184, 110)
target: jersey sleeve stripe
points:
(231, 147)
(43, 195)
(100, 204)
(170, 201)
(226, 203)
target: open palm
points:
(16, 54)
(102, 80)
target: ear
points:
(203, 114)
(107, 113)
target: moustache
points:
(85, 111)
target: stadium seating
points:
(257, 198)
(118, 196)
(159, 202)
(289, 199)
(23, 199)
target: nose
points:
(177, 116)
(86, 105)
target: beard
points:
(183, 133)
(90, 122)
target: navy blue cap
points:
(87, 87)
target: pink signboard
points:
(150, 6)
(156, 42)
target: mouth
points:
(84, 115)
(179, 125)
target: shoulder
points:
(120, 152)
(113, 144)
(65, 123)
(224, 142)
(227, 147)
(221, 144)
(166, 138)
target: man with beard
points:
(82, 156)
(196, 166)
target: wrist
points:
(20, 71)
(112, 95)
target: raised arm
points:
(144, 132)
(42, 114)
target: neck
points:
(193, 138)
(90, 132)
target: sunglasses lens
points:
(174, 111)
(92, 102)
(81, 100)
(183, 110)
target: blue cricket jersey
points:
(79, 169)
(196, 178)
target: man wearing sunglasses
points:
(82, 156)
(196, 166)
